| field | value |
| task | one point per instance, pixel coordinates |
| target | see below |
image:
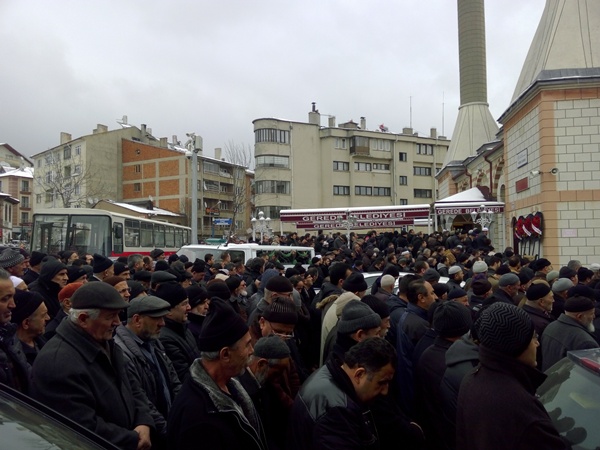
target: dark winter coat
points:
(203, 416)
(145, 374)
(14, 368)
(561, 336)
(498, 409)
(54, 323)
(397, 308)
(180, 345)
(540, 321)
(48, 288)
(328, 415)
(75, 376)
(195, 322)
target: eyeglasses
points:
(122, 291)
(285, 336)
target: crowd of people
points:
(161, 352)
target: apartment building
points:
(301, 165)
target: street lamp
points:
(485, 217)
(260, 225)
(348, 223)
(194, 145)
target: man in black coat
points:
(178, 341)
(451, 320)
(502, 388)
(538, 305)
(52, 279)
(81, 373)
(213, 411)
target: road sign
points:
(222, 222)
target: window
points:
(137, 187)
(272, 135)
(211, 167)
(272, 187)
(49, 196)
(422, 193)
(39, 163)
(24, 217)
(77, 169)
(382, 191)
(403, 180)
(212, 186)
(272, 212)
(48, 159)
(67, 152)
(381, 166)
(402, 157)
(38, 198)
(424, 149)
(340, 143)
(77, 150)
(0, 186)
(362, 167)
(341, 166)
(67, 171)
(273, 161)
(363, 190)
(381, 144)
(77, 189)
(24, 202)
(423, 171)
(25, 185)
(48, 177)
(341, 190)
(403, 201)
(137, 168)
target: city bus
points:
(108, 233)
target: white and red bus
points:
(108, 233)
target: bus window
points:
(117, 237)
(146, 233)
(89, 234)
(159, 236)
(179, 237)
(132, 233)
(169, 236)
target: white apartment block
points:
(301, 165)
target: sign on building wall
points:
(522, 158)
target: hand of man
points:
(143, 432)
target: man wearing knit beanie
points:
(571, 331)
(179, 342)
(539, 305)
(379, 307)
(35, 265)
(212, 405)
(451, 320)
(502, 389)
(13, 262)
(103, 267)
(52, 279)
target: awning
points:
(365, 217)
(467, 202)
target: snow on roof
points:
(140, 209)
(473, 195)
(27, 172)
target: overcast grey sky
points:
(212, 67)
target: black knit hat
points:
(218, 288)
(199, 265)
(505, 328)
(120, 268)
(537, 291)
(355, 283)
(136, 288)
(451, 319)
(161, 265)
(26, 302)
(142, 275)
(222, 327)
(377, 305)
(172, 258)
(580, 290)
(481, 287)
(578, 304)
(456, 293)
(171, 292)
(101, 263)
(539, 264)
(36, 257)
(156, 253)
(75, 273)
(566, 272)
(233, 283)
(279, 284)
(197, 295)
(357, 315)
(281, 310)
(271, 347)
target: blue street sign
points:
(222, 222)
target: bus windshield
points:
(79, 232)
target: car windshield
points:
(571, 395)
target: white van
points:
(289, 256)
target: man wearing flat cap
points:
(497, 407)
(179, 342)
(508, 288)
(147, 362)
(81, 373)
(560, 290)
(572, 331)
(213, 411)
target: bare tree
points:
(242, 157)
(68, 180)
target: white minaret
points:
(474, 125)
